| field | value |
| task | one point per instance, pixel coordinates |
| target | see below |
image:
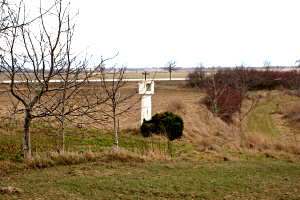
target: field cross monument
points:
(146, 89)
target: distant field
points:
(130, 75)
(159, 73)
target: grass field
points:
(212, 160)
(252, 179)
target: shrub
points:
(147, 128)
(223, 103)
(246, 78)
(196, 78)
(167, 123)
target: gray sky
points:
(149, 33)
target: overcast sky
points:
(149, 33)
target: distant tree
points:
(297, 63)
(267, 64)
(171, 67)
(197, 78)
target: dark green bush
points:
(147, 128)
(166, 123)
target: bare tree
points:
(197, 78)
(36, 58)
(118, 102)
(267, 64)
(214, 89)
(228, 92)
(171, 67)
(297, 63)
(241, 80)
(7, 13)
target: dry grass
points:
(9, 167)
(261, 143)
(124, 155)
(53, 158)
(50, 159)
(176, 106)
(292, 114)
(70, 158)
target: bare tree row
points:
(39, 50)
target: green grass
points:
(45, 138)
(260, 119)
(153, 180)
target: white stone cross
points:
(146, 89)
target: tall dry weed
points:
(262, 142)
(292, 114)
(65, 158)
(124, 155)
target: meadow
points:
(213, 159)
(117, 179)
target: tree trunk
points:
(62, 121)
(170, 74)
(116, 133)
(115, 128)
(62, 131)
(240, 121)
(27, 140)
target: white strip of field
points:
(99, 80)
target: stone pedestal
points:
(146, 89)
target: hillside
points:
(213, 160)
(264, 128)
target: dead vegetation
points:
(292, 114)
(260, 143)
(10, 190)
(211, 133)
(50, 159)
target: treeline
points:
(253, 79)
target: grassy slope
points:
(264, 179)
(261, 119)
